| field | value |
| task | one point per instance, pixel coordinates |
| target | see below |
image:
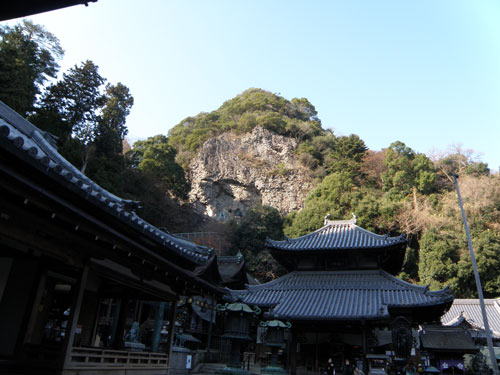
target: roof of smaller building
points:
(338, 295)
(446, 339)
(469, 310)
(337, 235)
(232, 269)
(38, 147)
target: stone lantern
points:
(237, 330)
(275, 339)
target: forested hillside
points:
(394, 190)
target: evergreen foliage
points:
(249, 236)
(29, 56)
(155, 157)
(407, 170)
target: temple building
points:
(343, 299)
(86, 285)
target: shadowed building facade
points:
(86, 285)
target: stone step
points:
(208, 368)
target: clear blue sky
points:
(424, 72)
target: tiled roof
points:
(470, 310)
(446, 338)
(37, 147)
(340, 235)
(338, 295)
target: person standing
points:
(330, 367)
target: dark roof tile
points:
(331, 295)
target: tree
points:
(487, 246)
(77, 100)
(29, 56)
(90, 121)
(406, 171)
(373, 167)
(249, 237)
(460, 161)
(257, 224)
(445, 261)
(439, 257)
(155, 157)
(302, 109)
(111, 129)
(339, 196)
(347, 154)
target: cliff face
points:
(232, 173)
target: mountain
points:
(234, 172)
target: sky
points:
(423, 72)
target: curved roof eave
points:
(31, 142)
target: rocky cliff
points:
(232, 173)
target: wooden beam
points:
(171, 333)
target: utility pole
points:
(478, 280)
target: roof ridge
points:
(337, 235)
(473, 301)
(339, 222)
(300, 237)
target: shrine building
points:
(342, 297)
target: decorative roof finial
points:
(354, 218)
(326, 219)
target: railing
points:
(92, 357)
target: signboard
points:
(189, 359)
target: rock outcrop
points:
(232, 173)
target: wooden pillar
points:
(75, 313)
(365, 348)
(159, 314)
(316, 353)
(171, 332)
(118, 334)
(292, 362)
(33, 335)
(210, 326)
